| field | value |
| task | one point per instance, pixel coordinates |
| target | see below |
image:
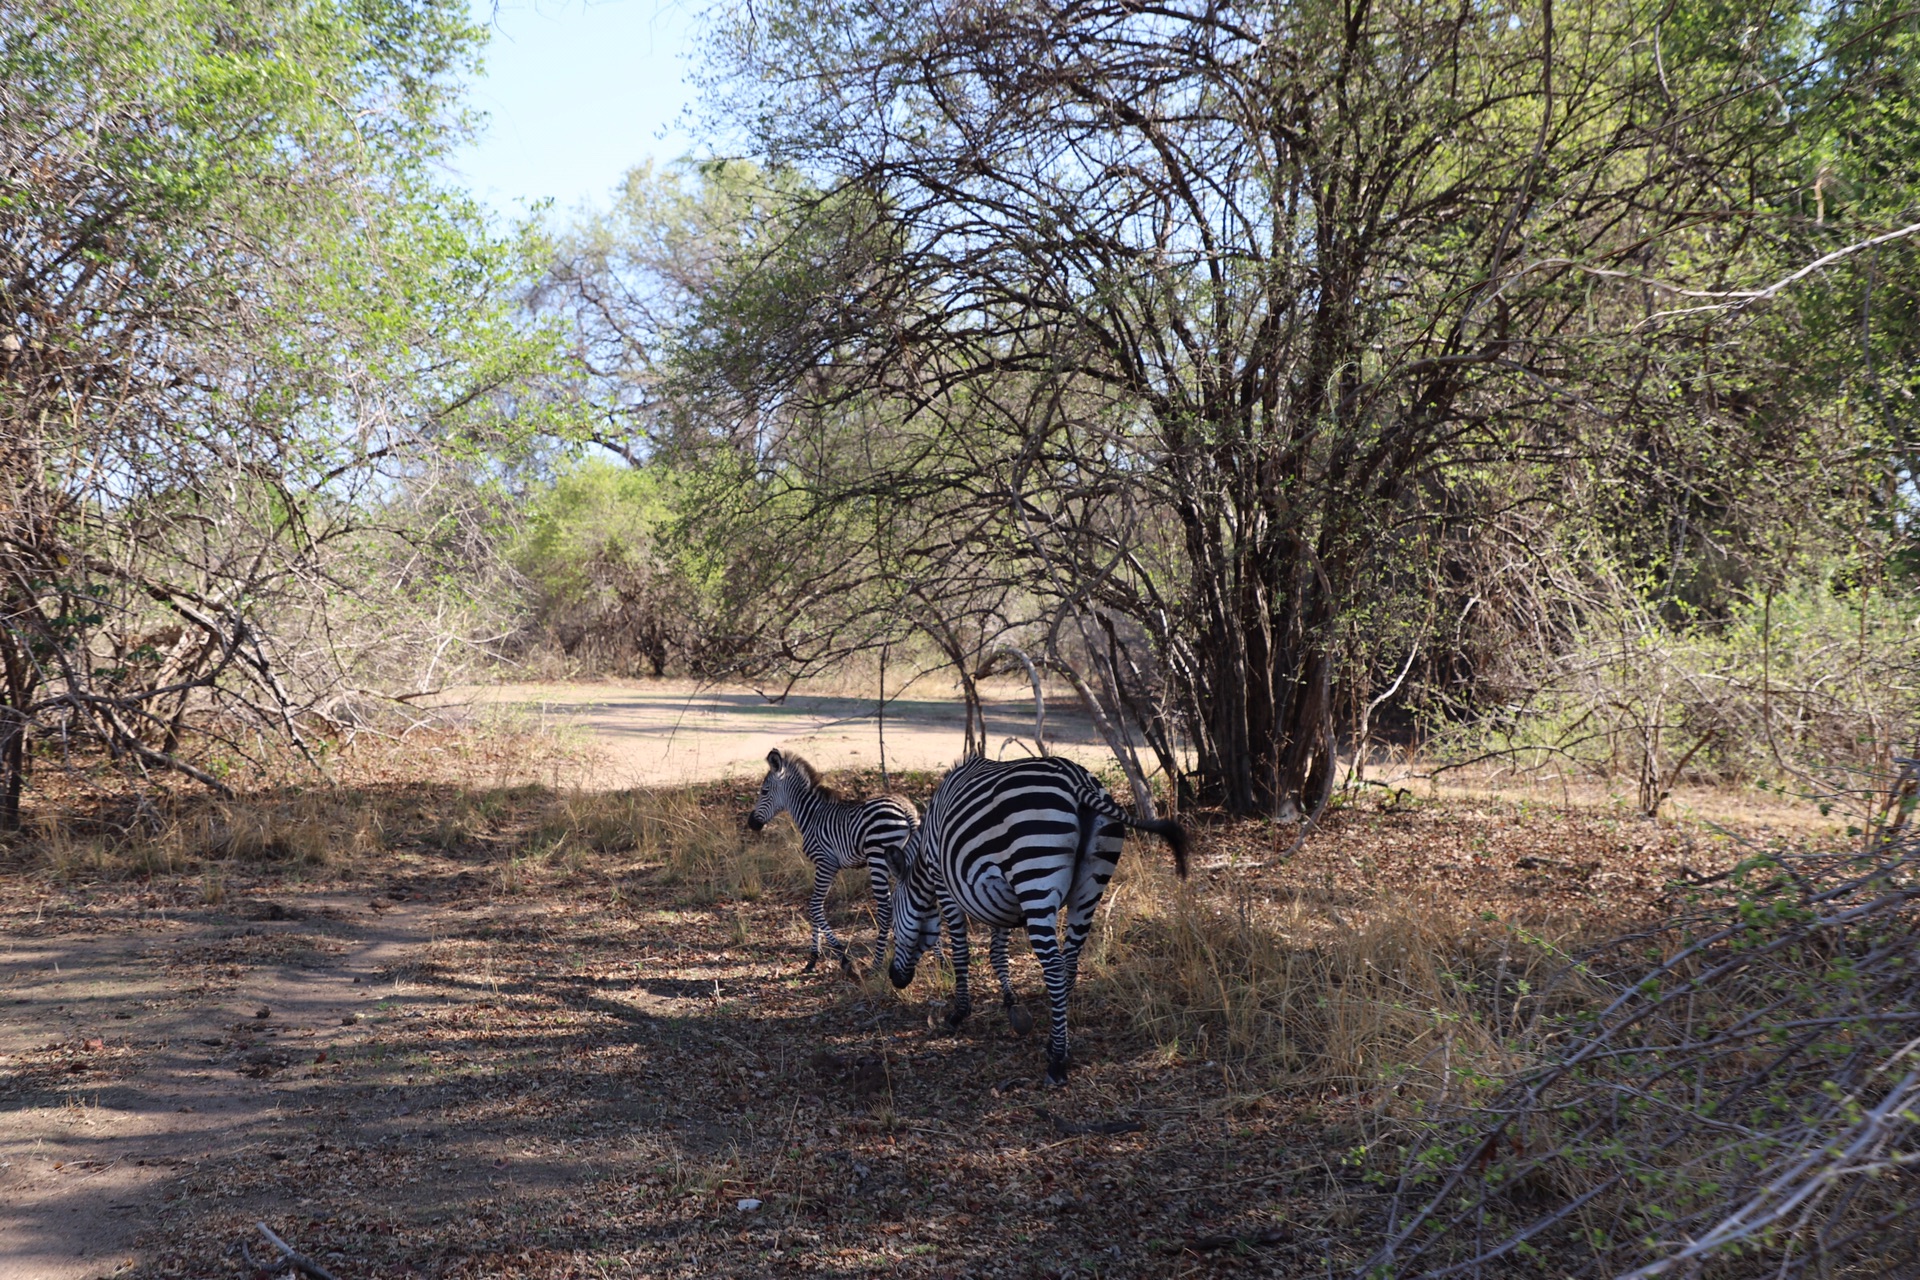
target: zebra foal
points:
(1014, 844)
(835, 834)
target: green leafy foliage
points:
(241, 314)
(1247, 329)
(608, 585)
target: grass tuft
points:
(1395, 998)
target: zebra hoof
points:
(1019, 1021)
(813, 962)
(1056, 1077)
(957, 1015)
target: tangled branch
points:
(1754, 1096)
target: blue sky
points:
(577, 92)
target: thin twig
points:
(304, 1265)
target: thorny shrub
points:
(1748, 1101)
(1811, 688)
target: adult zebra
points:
(835, 834)
(1014, 844)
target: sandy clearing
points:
(665, 732)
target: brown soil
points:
(594, 1075)
(137, 1051)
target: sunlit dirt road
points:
(672, 731)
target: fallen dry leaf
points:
(654, 1058)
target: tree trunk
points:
(1039, 696)
(950, 644)
(16, 670)
(13, 767)
(1263, 699)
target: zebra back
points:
(979, 793)
(844, 833)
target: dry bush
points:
(471, 747)
(1750, 1104)
(1815, 687)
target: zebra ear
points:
(775, 759)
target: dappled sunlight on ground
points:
(537, 1034)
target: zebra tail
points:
(1172, 832)
(1166, 828)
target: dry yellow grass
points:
(711, 857)
(1290, 977)
(296, 829)
(1396, 996)
(608, 953)
(441, 788)
(1393, 997)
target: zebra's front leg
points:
(1018, 1019)
(816, 913)
(878, 879)
(1043, 933)
(956, 922)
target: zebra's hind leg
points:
(1018, 1019)
(1043, 934)
(816, 913)
(1089, 883)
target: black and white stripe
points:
(835, 834)
(1014, 845)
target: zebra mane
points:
(810, 774)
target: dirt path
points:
(492, 1055)
(146, 1039)
(532, 1086)
(674, 731)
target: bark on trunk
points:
(13, 768)
(1263, 697)
(16, 670)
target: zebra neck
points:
(808, 807)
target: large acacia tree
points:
(1230, 306)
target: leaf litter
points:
(595, 1067)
